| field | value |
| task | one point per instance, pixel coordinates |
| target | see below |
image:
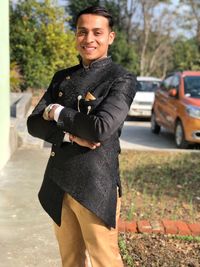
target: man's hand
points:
(51, 113)
(83, 142)
(48, 113)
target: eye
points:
(98, 33)
(81, 32)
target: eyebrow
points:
(84, 28)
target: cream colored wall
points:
(4, 83)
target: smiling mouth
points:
(89, 49)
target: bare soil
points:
(153, 250)
(158, 185)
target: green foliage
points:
(75, 6)
(114, 9)
(40, 42)
(186, 55)
(125, 251)
(187, 238)
(16, 78)
(124, 53)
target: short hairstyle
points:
(97, 10)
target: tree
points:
(73, 7)
(185, 54)
(154, 37)
(40, 41)
(146, 25)
(192, 17)
(124, 53)
(144, 34)
(16, 78)
(186, 51)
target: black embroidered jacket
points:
(90, 176)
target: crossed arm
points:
(86, 130)
(50, 116)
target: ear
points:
(111, 37)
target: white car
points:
(144, 97)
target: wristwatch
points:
(46, 112)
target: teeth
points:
(88, 48)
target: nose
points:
(89, 37)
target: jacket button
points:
(60, 94)
(52, 154)
(68, 78)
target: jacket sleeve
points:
(109, 115)
(38, 127)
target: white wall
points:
(4, 83)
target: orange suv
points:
(177, 107)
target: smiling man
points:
(82, 114)
(93, 37)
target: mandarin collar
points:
(99, 63)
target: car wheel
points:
(155, 128)
(180, 136)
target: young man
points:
(82, 114)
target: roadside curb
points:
(163, 227)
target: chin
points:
(90, 59)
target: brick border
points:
(164, 227)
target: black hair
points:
(97, 10)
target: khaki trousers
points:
(82, 233)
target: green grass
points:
(125, 251)
(188, 238)
(160, 185)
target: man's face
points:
(93, 37)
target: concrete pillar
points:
(4, 83)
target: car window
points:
(148, 86)
(192, 86)
(175, 82)
(166, 84)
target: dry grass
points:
(160, 185)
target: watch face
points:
(46, 112)
(49, 108)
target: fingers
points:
(95, 145)
(92, 146)
(83, 142)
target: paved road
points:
(137, 135)
(26, 232)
